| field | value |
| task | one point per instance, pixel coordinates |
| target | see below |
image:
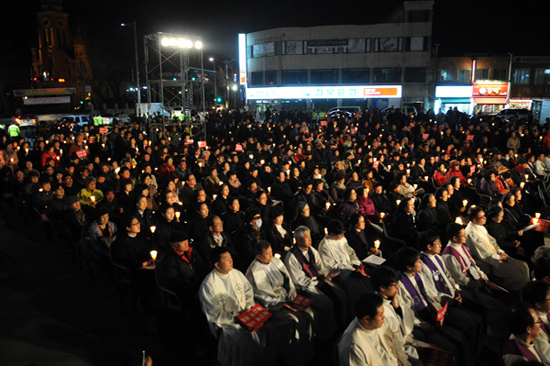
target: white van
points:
(79, 120)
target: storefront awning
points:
(489, 100)
(455, 100)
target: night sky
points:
(467, 26)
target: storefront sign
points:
(490, 90)
(326, 92)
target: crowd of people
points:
(414, 236)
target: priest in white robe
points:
(224, 294)
(273, 288)
(308, 275)
(368, 341)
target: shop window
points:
(294, 77)
(387, 75)
(482, 74)
(446, 75)
(464, 75)
(415, 74)
(500, 74)
(542, 76)
(522, 76)
(324, 77)
(355, 76)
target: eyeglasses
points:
(538, 321)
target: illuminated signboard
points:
(490, 90)
(453, 91)
(242, 58)
(326, 92)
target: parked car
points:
(347, 111)
(521, 114)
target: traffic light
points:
(219, 100)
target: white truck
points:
(541, 110)
(153, 109)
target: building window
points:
(293, 47)
(522, 76)
(415, 74)
(415, 44)
(271, 77)
(257, 78)
(500, 74)
(446, 75)
(294, 77)
(482, 74)
(388, 44)
(355, 76)
(387, 75)
(542, 76)
(263, 50)
(464, 75)
(324, 77)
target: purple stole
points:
(545, 329)
(513, 347)
(440, 283)
(449, 250)
(309, 266)
(419, 305)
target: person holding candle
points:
(357, 237)
(132, 250)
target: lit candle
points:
(154, 255)
(537, 215)
(178, 214)
(469, 181)
(521, 185)
(398, 202)
(268, 189)
(262, 162)
(277, 255)
(327, 205)
(464, 202)
(326, 231)
(382, 214)
(535, 220)
(458, 221)
(526, 176)
(214, 196)
(92, 198)
(426, 178)
(153, 228)
(377, 244)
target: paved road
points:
(52, 314)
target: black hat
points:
(178, 236)
(250, 213)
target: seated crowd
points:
(269, 212)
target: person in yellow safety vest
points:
(14, 131)
(98, 120)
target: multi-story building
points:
(376, 65)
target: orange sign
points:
(389, 91)
(490, 90)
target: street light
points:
(213, 60)
(138, 104)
